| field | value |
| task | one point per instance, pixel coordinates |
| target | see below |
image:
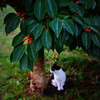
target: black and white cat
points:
(58, 77)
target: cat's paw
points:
(54, 83)
(62, 88)
(59, 89)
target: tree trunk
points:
(38, 77)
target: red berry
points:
(88, 30)
(27, 36)
(77, 3)
(76, 12)
(23, 40)
(18, 14)
(30, 41)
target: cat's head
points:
(55, 68)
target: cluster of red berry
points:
(77, 3)
(27, 40)
(88, 30)
(22, 15)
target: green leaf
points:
(17, 39)
(96, 40)
(96, 21)
(23, 62)
(87, 21)
(77, 29)
(69, 26)
(78, 19)
(37, 44)
(32, 27)
(91, 4)
(59, 49)
(28, 4)
(18, 53)
(15, 22)
(86, 39)
(87, 2)
(60, 40)
(64, 3)
(38, 31)
(30, 65)
(56, 26)
(12, 24)
(23, 26)
(30, 20)
(9, 17)
(51, 8)
(80, 10)
(32, 53)
(39, 9)
(95, 29)
(8, 28)
(69, 41)
(11, 57)
(46, 40)
(57, 2)
(72, 7)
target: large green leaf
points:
(46, 40)
(39, 9)
(32, 53)
(28, 4)
(86, 39)
(8, 28)
(87, 2)
(56, 26)
(96, 21)
(57, 2)
(18, 53)
(64, 3)
(30, 65)
(51, 8)
(60, 40)
(9, 17)
(59, 49)
(15, 22)
(32, 27)
(77, 29)
(23, 27)
(91, 4)
(37, 45)
(73, 7)
(96, 40)
(23, 62)
(38, 31)
(80, 10)
(69, 26)
(11, 23)
(78, 19)
(17, 39)
(95, 29)
(30, 20)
